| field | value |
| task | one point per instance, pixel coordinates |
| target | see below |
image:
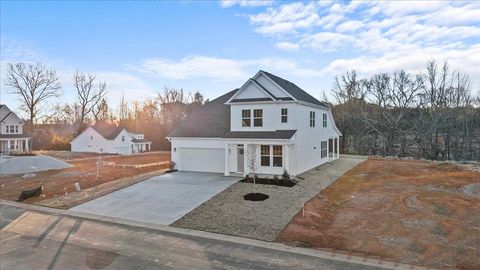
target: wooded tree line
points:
(54, 126)
(432, 114)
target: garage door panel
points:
(202, 159)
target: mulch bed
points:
(268, 181)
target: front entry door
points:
(240, 157)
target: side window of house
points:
(258, 118)
(277, 156)
(312, 119)
(16, 129)
(123, 138)
(324, 120)
(6, 129)
(324, 149)
(284, 114)
(246, 121)
(265, 155)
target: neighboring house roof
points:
(212, 120)
(7, 115)
(108, 132)
(294, 90)
(278, 134)
(141, 141)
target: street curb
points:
(220, 237)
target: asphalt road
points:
(33, 239)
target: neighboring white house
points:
(110, 139)
(12, 139)
(269, 120)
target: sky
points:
(138, 47)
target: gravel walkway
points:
(228, 213)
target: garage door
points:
(202, 160)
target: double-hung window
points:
(312, 119)
(246, 121)
(277, 156)
(324, 149)
(324, 120)
(265, 155)
(284, 115)
(16, 128)
(257, 117)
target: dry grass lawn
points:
(416, 212)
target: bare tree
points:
(252, 162)
(34, 84)
(89, 95)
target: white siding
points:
(251, 90)
(271, 116)
(91, 141)
(308, 144)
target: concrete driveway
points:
(161, 199)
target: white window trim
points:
(312, 118)
(284, 115)
(249, 117)
(254, 118)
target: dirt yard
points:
(57, 183)
(414, 212)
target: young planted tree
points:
(89, 95)
(252, 162)
(34, 85)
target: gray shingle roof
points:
(107, 131)
(294, 90)
(212, 120)
(278, 134)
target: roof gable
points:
(107, 131)
(252, 91)
(294, 90)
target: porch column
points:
(245, 157)
(227, 171)
(26, 146)
(287, 158)
(338, 147)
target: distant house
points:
(110, 139)
(269, 123)
(12, 138)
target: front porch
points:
(14, 145)
(265, 158)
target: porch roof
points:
(277, 134)
(14, 136)
(141, 141)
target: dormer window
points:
(312, 119)
(257, 117)
(284, 115)
(246, 121)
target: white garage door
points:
(202, 160)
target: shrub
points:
(285, 175)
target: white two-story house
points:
(12, 138)
(110, 139)
(269, 124)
